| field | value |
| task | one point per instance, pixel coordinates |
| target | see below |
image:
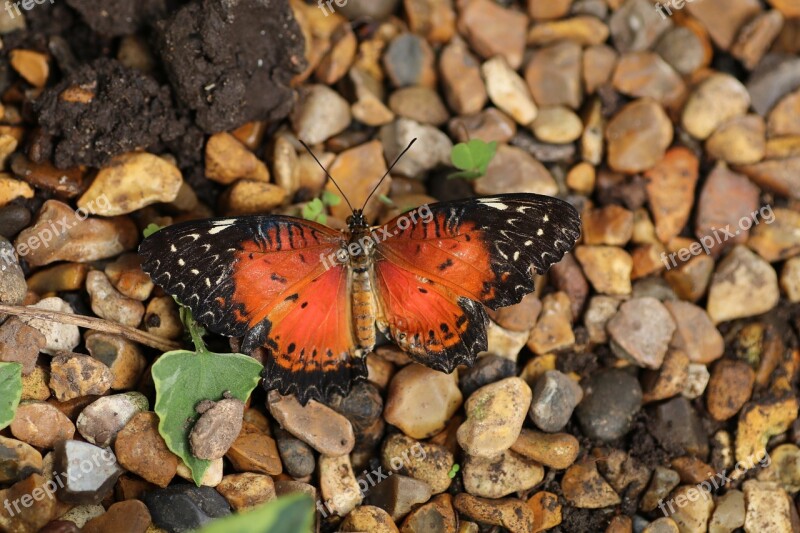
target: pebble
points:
(424, 461)
(31, 65)
(185, 507)
(339, 488)
(62, 277)
(556, 450)
(777, 175)
(585, 30)
(495, 414)
(217, 427)
(358, 171)
(493, 30)
(553, 330)
(41, 425)
(726, 198)
(695, 334)
(435, 20)
(743, 285)
(247, 490)
(554, 75)
(557, 125)
(320, 114)
(487, 369)
(784, 119)
(436, 515)
(129, 182)
(249, 197)
(778, 240)
(399, 494)
(369, 518)
(80, 515)
(760, 421)
(768, 507)
(784, 467)
(514, 170)
(509, 513)
(88, 472)
(692, 513)
(611, 224)
(555, 396)
(662, 525)
(678, 413)
(505, 343)
(723, 26)
(73, 375)
(611, 400)
(507, 90)
(297, 456)
(34, 517)
(227, 160)
(599, 311)
(671, 191)
(58, 337)
(634, 27)
(461, 79)
(369, 107)
(728, 512)
(790, 279)
(646, 75)
(546, 511)
(585, 488)
(739, 141)
(335, 64)
(488, 125)
(141, 450)
(162, 319)
(756, 37)
(638, 136)
(35, 385)
(690, 280)
(84, 241)
(316, 424)
(13, 219)
(434, 147)
(421, 104)
(101, 421)
(567, 277)
(696, 381)
(19, 460)
(409, 60)
(661, 484)
(641, 331)
(598, 65)
(12, 188)
(123, 357)
(20, 343)
(682, 48)
(421, 400)
(608, 268)
(501, 475)
(581, 178)
(717, 99)
(130, 516)
(254, 450)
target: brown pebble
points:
(140, 449)
(729, 388)
(509, 513)
(216, 429)
(41, 425)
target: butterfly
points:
(314, 297)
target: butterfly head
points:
(357, 220)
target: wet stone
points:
(185, 507)
(611, 400)
(101, 421)
(555, 396)
(91, 472)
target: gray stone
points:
(611, 400)
(555, 396)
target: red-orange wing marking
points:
(262, 278)
(437, 264)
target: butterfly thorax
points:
(363, 305)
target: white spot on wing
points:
(546, 218)
(493, 204)
(217, 229)
(172, 248)
(181, 262)
(540, 232)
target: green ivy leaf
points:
(472, 158)
(329, 198)
(293, 513)
(482, 153)
(10, 391)
(461, 156)
(150, 229)
(183, 379)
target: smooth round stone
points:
(129, 516)
(487, 369)
(369, 518)
(140, 449)
(316, 424)
(510, 513)
(500, 476)
(495, 414)
(41, 425)
(321, 114)
(185, 507)
(378, 9)
(424, 461)
(297, 456)
(555, 396)
(611, 400)
(638, 136)
(110, 304)
(13, 219)
(422, 104)
(682, 49)
(508, 91)
(100, 421)
(743, 285)
(557, 450)
(246, 490)
(718, 98)
(557, 125)
(408, 60)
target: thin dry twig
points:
(97, 324)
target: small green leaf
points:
(150, 229)
(329, 198)
(313, 209)
(322, 218)
(465, 174)
(293, 513)
(10, 391)
(482, 152)
(462, 158)
(386, 200)
(453, 470)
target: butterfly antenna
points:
(325, 170)
(387, 172)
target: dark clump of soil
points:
(231, 62)
(118, 17)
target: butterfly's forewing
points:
(261, 278)
(480, 250)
